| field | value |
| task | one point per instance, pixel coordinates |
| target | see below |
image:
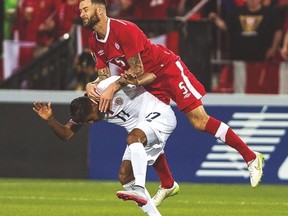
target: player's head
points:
(84, 110)
(103, 2)
(92, 11)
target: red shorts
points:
(179, 84)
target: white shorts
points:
(157, 130)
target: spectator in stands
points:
(126, 9)
(9, 17)
(66, 16)
(255, 33)
(85, 72)
(35, 23)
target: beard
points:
(90, 23)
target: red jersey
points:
(124, 40)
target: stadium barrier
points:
(260, 120)
(30, 149)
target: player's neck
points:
(101, 28)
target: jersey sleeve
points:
(99, 63)
(132, 40)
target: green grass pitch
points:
(38, 197)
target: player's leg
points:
(135, 140)
(138, 157)
(127, 180)
(163, 171)
(187, 93)
(203, 122)
(168, 186)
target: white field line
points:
(234, 203)
(83, 199)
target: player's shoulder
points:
(122, 24)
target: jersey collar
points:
(107, 33)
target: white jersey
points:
(134, 107)
(133, 104)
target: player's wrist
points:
(50, 119)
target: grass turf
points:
(38, 197)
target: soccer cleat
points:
(255, 169)
(163, 193)
(135, 195)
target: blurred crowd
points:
(37, 24)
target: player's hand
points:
(129, 79)
(129, 75)
(91, 93)
(43, 110)
(106, 98)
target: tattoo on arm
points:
(136, 66)
(103, 73)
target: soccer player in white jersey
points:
(149, 123)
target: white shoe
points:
(163, 193)
(255, 169)
(135, 195)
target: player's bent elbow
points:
(65, 137)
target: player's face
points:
(88, 13)
(95, 115)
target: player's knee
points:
(131, 138)
(198, 121)
(136, 135)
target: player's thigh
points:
(183, 87)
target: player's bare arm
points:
(103, 74)
(107, 96)
(143, 79)
(136, 66)
(136, 69)
(64, 132)
(91, 86)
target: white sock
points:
(129, 186)
(150, 208)
(139, 163)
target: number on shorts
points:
(183, 88)
(152, 116)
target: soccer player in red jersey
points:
(122, 43)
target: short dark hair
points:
(104, 2)
(79, 109)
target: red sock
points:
(163, 172)
(223, 132)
